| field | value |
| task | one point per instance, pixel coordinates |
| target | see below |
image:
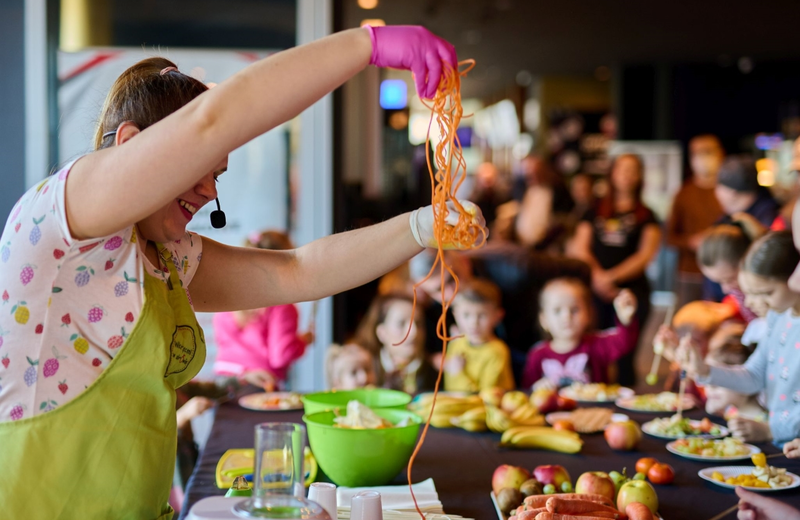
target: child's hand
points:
(753, 506)
(689, 357)
(748, 430)
(261, 379)
(455, 365)
(193, 407)
(625, 306)
(543, 384)
(307, 338)
(665, 341)
(792, 449)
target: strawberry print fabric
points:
(67, 305)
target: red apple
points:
(623, 436)
(551, 474)
(544, 400)
(637, 491)
(566, 404)
(597, 483)
(513, 400)
(507, 476)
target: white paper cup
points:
(324, 494)
(366, 505)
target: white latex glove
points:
(421, 222)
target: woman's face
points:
(626, 176)
(169, 223)
(399, 317)
(723, 273)
(762, 294)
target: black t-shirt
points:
(616, 238)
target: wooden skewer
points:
(774, 455)
(652, 377)
(726, 512)
(682, 387)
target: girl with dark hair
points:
(618, 240)
(775, 365)
(102, 279)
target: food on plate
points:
(662, 402)
(623, 436)
(508, 499)
(361, 417)
(661, 473)
(679, 426)
(762, 476)
(644, 464)
(592, 391)
(588, 420)
(274, 401)
(596, 482)
(542, 437)
(637, 491)
(712, 448)
(551, 474)
(507, 476)
(638, 511)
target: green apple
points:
(637, 491)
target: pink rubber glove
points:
(413, 48)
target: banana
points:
(542, 437)
(497, 420)
(472, 425)
(527, 415)
(474, 414)
(473, 420)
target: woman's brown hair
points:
(723, 243)
(144, 96)
(376, 314)
(606, 209)
(772, 256)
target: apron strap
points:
(166, 255)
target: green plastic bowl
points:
(356, 458)
(375, 398)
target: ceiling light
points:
(374, 22)
(367, 4)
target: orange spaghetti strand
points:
(450, 172)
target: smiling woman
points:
(97, 269)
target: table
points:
(461, 464)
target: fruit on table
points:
(447, 408)
(596, 482)
(661, 473)
(623, 436)
(513, 400)
(509, 498)
(640, 476)
(544, 400)
(566, 487)
(531, 487)
(497, 420)
(564, 424)
(492, 395)
(549, 489)
(638, 511)
(527, 415)
(473, 420)
(644, 464)
(566, 404)
(637, 491)
(619, 479)
(507, 476)
(551, 474)
(542, 437)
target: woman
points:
(545, 205)
(618, 240)
(98, 268)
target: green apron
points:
(110, 452)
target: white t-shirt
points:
(67, 305)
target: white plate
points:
(568, 393)
(626, 403)
(734, 471)
(753, 450)
(501, 516)
(557, 416)
(258, 402)
(649, 425)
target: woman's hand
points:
(261, 379)
(416, 49)
(625, 306)
(748, 430)
(792, 449)
(753, 506)
(422, 220)
(603, 285)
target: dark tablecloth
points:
(462, 463)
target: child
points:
(260, 345)
(403, 361)
(349, 367)
(775, 364)
(477, 360)
(574, 354)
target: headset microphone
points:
(217, 217)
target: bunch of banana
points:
(447, 407)
(527, 415)
(497, 420)
(473, 420)
(542, 437)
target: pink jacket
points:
(269, 342)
